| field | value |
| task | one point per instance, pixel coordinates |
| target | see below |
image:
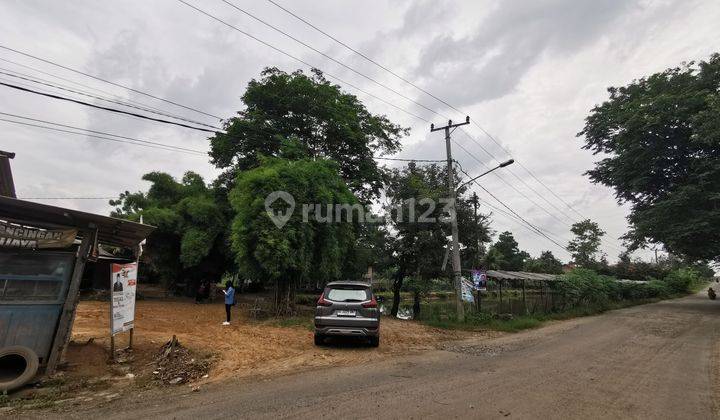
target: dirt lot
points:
(208, 351)
(245, 348)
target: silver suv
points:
(347, 309)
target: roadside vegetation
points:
(581, 292)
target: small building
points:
(43, 254)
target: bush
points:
(680, 280)
(586, 287)
(657, 288)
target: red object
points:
(371, 304)
(322, 301)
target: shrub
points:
(657, 288)
(681, 279)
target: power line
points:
(287, 54)
(82, 85)
(107, 81)
(364, 56)
(105, 133)
(608, 244)
(490, 136)
(329, 57)
(510, 185)
(542, 197)
(537, 230)
(509, 215)
(119, 139)
(119, 111)
(89, 95)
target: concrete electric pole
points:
(457, 271)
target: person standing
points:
(229, 300)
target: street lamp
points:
(502, 165)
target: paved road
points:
(651, 361)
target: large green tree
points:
(189, 243)
(324, 121)
(414, 193)
(303, 250)
(660, 141)
(585, 247)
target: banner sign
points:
(467, 291)
(479, 279)
(123, 283)
(14, 236)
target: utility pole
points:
(476, 201)
(457, 272)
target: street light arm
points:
(502, 165)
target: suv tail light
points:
(322, 301)
(371, 304)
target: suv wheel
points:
(375, 341)
(319, 339)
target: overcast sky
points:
(528, 72)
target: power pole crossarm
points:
(457, 271)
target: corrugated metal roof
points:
(111, 231)
(521, 275)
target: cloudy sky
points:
(527, 72)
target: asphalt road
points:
(650, 361)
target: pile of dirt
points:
(175, 364)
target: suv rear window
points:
(347, 294)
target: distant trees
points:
(504, 254)
(660, 141)
(546, 263)
(585, 248)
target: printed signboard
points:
(16, 236)
(479, 279)
(123, 283)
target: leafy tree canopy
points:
(660, 138)
(190, 226)
(297, 252)
(414, 193)
(586, 245)
(324, 120)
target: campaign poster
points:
(479, 279)
(123, 283)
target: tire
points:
(374, 341)
(319, 339)
(17, 357)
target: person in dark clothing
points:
(229, 300)
(118, 286)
